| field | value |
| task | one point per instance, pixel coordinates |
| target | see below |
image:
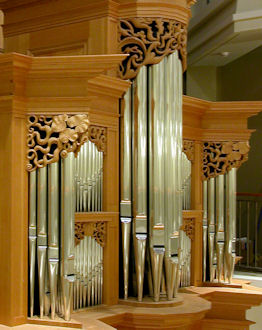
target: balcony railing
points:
(249, 230)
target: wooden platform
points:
(148, 302)
(185, 315)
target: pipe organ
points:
(153, 186)
(171, 165)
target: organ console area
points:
(118, 193)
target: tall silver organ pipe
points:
(53, 232)
(67, 232)
(140, 173)
(126, 197)
(221, 227)
(154, 110)
(32, 238)
(205, 228)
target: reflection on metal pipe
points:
(67, 232)
(204, 229)
(32, 238)
(140, 220)
(89, 179)
(140, 250)
(211, 224)
(220, 235)
(88, 287)
(42, 235)
(230, 252)
(53, 232)
(157, 256)
(125, 204)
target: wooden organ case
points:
(61, 84)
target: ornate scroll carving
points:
(97, 135)
(95, 229)
(189, 149)
(220, 157)
(148, 40)
(79, 231)
(51, 137)
(188, 227)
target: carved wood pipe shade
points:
(148, 41)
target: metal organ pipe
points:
(221, 226)
(88, 263)
(56, 192)
(155, 113)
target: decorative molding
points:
(188, 227)
(148, 41)
(220, 157)
(97, 230)
(52, 137)
(189, 149)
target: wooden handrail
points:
(249, 194)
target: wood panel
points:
(13, 222)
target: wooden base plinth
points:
(188, 314)
(56, 322)
(148, 302)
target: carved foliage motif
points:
(97, 135)
(52, 137)
(189, 149)
(95, 229)
(220, 157)
(147, 41)
(188, 227)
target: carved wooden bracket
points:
(220, 157)
(189, 149)
(97, 230)
(188, 227)
(148, 41)
(52, 137)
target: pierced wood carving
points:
(97, 230)
(148, 41)
(52, 137)
(97, 135)
(189, 149)
(188, 227)
(220, 157)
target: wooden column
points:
(196, 189)
(13, 206)
(111, 204)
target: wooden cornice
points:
(169, 9)
(25, 16)
(217, 121)
(108, 85)
(50, 85)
